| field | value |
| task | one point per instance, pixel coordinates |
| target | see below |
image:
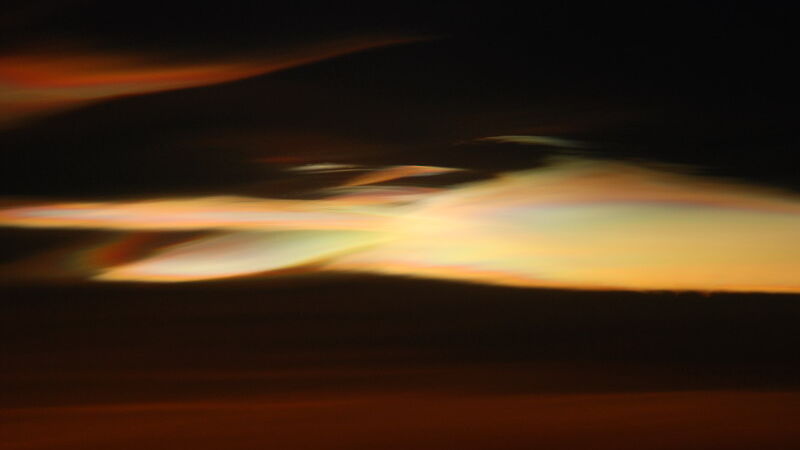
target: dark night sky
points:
(370, 362)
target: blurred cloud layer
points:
(577, 224)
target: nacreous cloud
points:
(577, 224)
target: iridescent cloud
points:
(577, 224)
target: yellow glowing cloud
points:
(241, 253)
(576, 224)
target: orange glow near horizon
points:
(368, 420)
(577, 224)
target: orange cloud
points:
(393, 173)
(35, 83)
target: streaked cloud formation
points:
(577, 224)
(36, 82)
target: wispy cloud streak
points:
(33, 83)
